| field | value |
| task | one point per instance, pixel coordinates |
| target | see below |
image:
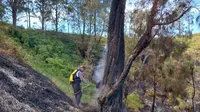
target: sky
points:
(35, 23)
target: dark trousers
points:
(77, 91)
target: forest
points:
(139, 55)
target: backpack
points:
(71, 77)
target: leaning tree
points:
(162, 12)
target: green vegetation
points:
(173, 76)
(133, 102)
(56, 55)
(53, 54)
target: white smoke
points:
(98, 74)
(99, 70)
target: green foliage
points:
(173, 70)
(133, 102)
(53, 54)
(182, 105)
(2, 11)
(178, 48)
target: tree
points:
(80, 16)
(97, 12)
(43, 7)
(15, 7)
(29, 9)
(89, 16)
(60, 9)
(115, 57)
(110, 100)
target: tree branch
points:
(171, 21)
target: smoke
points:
(98, 74)
(99, 70)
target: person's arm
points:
(82, 78)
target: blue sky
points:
(196, 26)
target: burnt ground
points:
(24, 89)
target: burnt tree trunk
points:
(115, 56)
(110, 99)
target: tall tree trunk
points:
(154, 92)
(115, 57)
(42, 15)
(42, 23)
(95, 32)
(68, 27)
(179, 27)
(194, 89)
(90, 23)
(29, 15)
(14, 17)
(83, 35)
(56, 18)
(189, 31)
(101, 33)
(29, 19)
(14, 13)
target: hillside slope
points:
(24, 89)
(52, 54)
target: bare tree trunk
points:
(101, 33)
(83, 35)
(56, 18)
(68, 27)
(115, 56)
(29, 19)
(14, 13)
(29, 15)
(179, 27)
(42, 24)
(154, 92)
(95, 32)
(14, 18)
(194, 89)
(42, 16)
(90, 23)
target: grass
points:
(53, 54)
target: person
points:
(78, 78)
